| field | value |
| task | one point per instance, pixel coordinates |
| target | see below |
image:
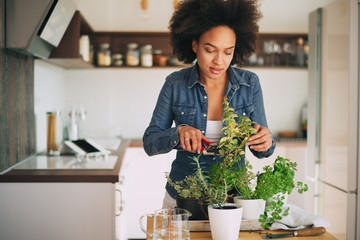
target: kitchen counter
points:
(21, 173)
(257, 235)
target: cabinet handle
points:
(120, 203)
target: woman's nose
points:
(218, 58)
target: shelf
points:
(67, 53)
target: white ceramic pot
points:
(252, 208)
(225, 223)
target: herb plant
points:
(226, 175)
(218, 185)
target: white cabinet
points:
(143, 188)
(57, 211)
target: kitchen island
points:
(61, 198)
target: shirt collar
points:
(235, 79)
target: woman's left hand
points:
(262, 140)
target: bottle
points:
(104, 55)
(54, 133)
(132, 55)
(146, 56)
(156, 57)
(300, 59)
(84, 49)
(304, 121)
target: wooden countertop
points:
(257, 235)
(70, 175)
(243, 235)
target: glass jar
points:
(146, 56)
(156, 57)
(117, 59)
(54, 133)
(104, 55)
(132, 55)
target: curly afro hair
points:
(194, 17)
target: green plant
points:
(193, 186)
(226, 175)
(223, 176)
(229, 175)
(271, 185)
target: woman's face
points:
(214, 52)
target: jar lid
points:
(117, 55)
(53, 113)
(157, 52)
(147, 46)
(132, 45)
(104, 45)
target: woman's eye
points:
(209, 51)
(228, 53)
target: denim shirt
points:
(183, 100)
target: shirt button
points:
(202, 131)
(244, 114)
(205, 97)
(204, 115)
(182, 113)
(214, 158)
(175, 142)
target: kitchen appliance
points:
(36, 27)
(333, 116)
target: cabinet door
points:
(143, 188)
(57, 211)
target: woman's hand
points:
(190, 139)
(261, 141)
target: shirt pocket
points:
(244, 111)
(184, 114)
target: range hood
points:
(35, 27)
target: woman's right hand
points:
(190, 139)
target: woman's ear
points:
(194, 46)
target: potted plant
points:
(272, 185)
(224, 176)
(192, 193)
(229, 178)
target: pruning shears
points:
(209, 148)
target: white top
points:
(213, 130)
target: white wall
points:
(117, 101)
(121, 101)
(49, 92)
(281, 16)
(285, 93)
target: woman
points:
(215, 33)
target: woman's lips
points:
(215, 70)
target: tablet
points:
(86, 147)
